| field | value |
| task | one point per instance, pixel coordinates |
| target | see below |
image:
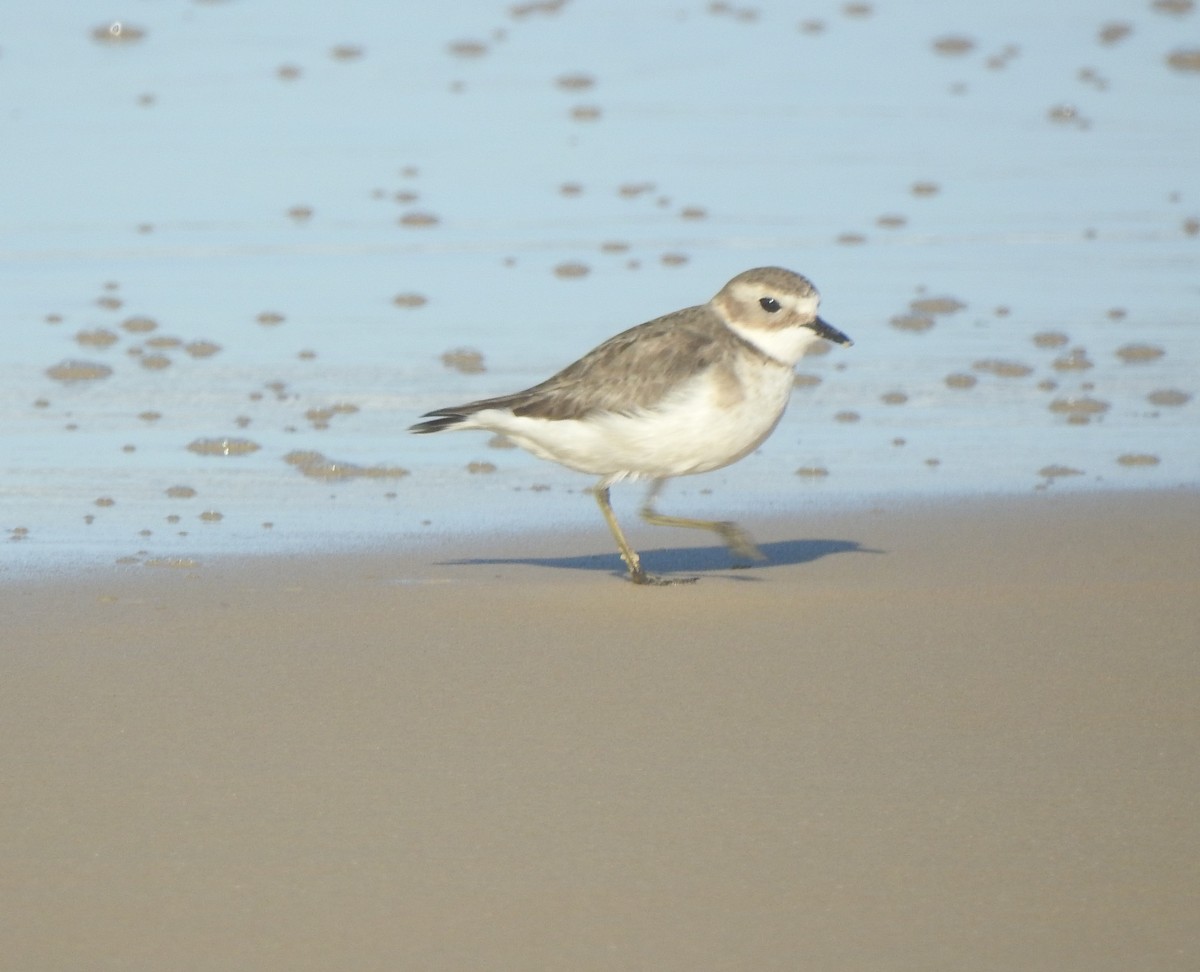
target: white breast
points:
(706, 425)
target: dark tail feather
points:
(441, 421)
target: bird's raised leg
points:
(736, 539)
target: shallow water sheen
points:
(236, 225)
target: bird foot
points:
(653, 580)
(744, 550)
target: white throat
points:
(787, 345)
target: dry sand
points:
(948, 738)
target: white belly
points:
(706, 426)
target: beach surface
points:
(950, 735)
(285, 688)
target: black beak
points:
(829, 332)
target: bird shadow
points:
(686, 560)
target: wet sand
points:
(957, 737)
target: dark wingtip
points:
(438, 424)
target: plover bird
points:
(692, 391)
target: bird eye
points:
(769, 304)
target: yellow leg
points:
(736, 539)
(628, 554)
